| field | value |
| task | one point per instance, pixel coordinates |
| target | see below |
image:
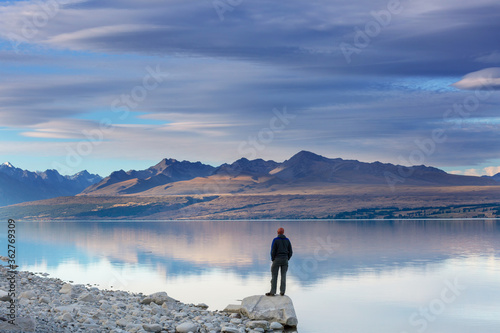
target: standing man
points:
(281, 252)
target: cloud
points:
(471, 172)
(484, 79)
(488, 171)
(492, 170)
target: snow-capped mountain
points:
(18, 185)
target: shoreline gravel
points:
(46, 305)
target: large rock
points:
(270, 308)
(233, 308)
(158, 298)
(66, 289)
(86, 297)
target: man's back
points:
(281, 247)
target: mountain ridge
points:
(303, 170)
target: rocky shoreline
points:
(49, 305)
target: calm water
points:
(352, 276)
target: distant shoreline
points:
(354, 202)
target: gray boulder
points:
(270, 308)
(86, 297)
(158, 298)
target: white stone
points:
(186, 327)
(29, 294)
(66, 317)
(270, 308)
(232, 308)
(44, 299)
(23, 301)
(86, 297)
(276, 326)
(67, 308)
(257, 324)
(66, 288)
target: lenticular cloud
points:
(485, 79)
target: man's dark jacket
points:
(281, 248)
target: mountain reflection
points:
(321, 248)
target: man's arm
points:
(290, 251)
(273, 249)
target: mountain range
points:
(305, 171)
(306, 186)
(17, 185)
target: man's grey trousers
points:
(279, 262)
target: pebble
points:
(276, 326)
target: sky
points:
(119, 84)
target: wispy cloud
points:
(485, 79)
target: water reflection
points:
(242, 247)
(382, 270)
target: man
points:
(281, 252)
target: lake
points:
(345, 276)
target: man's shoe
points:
(269, 294)
(282, 294)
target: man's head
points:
(281, 231)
